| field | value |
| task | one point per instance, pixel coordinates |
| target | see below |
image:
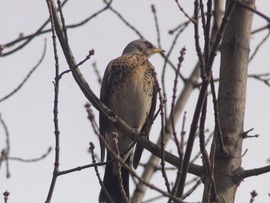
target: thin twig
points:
(90, 53)
(32, 160)
(196, 39)
(91, 118)
(216, 115)
(124, 20)
(265, 27)
(41, 30)
(94, 65)
(211, 193)
(28, 38)
(118, 164)
(182, 10)
(55, 107)
(259, 46)
(207, 29)
(178, 145)
(264, 77)
(28, 75)
(6, 150)
(191, 190)
(180, 26)
(162, 144)
(156, 24)
(166, 61)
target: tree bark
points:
(231, 101)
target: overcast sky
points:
(29, 113)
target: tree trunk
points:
(231, 100)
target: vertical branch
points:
(166, 62)
(216, 115)
(207, 30)
(62, 20)
(211, 193)
(119, 171)
(5, 152)
(202, 13)
(183, 132)
(234, 51)
(259, 46)
(55, 110)
(156, 23)
(178, 146)
(201, 99)
(196, 38)
(162, 144)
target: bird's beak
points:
(158, 50)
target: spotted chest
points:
(131, 88)
(128, 70)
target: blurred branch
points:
(28, 75)
(264, 77)
(181, 26)
(162, 144)
(156, 24)
(182, 10)
(94, 65)
(41, 31)
(27, 38)
(6, 194)
(259, 46)
(253, 194)
(6, 150)
(31, 160)
(191, 190)
(266, 27)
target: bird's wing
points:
(104, 99)
(147, 125)
(108, 81)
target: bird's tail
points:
(114, 189)
(137, 155)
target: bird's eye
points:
(148, 45)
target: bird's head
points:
(141, 46)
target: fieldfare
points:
(128, 88)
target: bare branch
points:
(6, 150)
(55, 107)
(28, 75)
(31, 160)
(182, 10)
(156, 24)
(201, 99)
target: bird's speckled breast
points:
(131, 89)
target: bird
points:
(129, 88)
